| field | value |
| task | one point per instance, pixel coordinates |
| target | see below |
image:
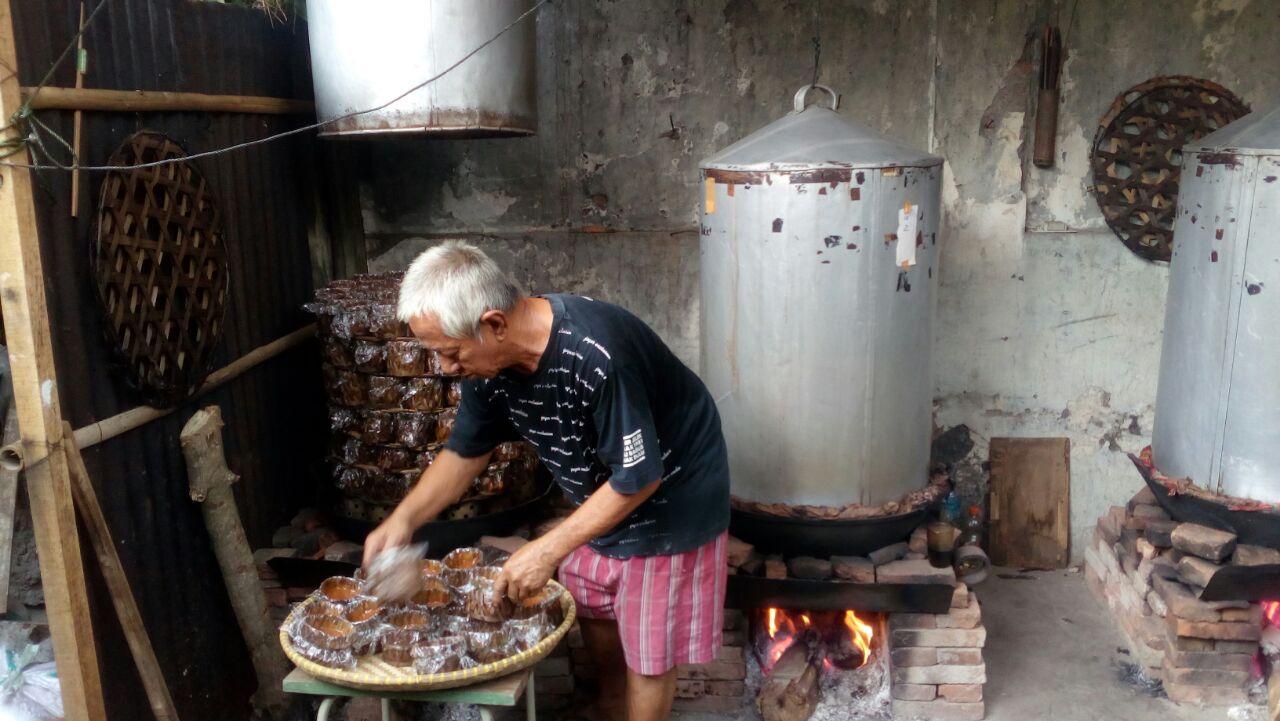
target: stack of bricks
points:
(277, 595)
(1151, 572)
(936, 666)
(718, 687)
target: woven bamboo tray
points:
(373, 674)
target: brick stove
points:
(920, 664)
(1168, 586)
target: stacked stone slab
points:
(902, 562)
(936, 665)
(718, 687)
(1150, 571)
(392, 406)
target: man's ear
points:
(496, 321)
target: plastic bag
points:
(383, 323)
(444, 424)
(395, 574)
(414, 430)
(379, 427)
(369, 357)
(406, 358)
(336, 353)
(29, 692)
(422, 394)
(384, 392)
(343, 419)
(394, 459)
(453, 393)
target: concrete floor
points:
(1052, 653)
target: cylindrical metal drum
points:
(364, 54)
(1218, 405)
(816, 339)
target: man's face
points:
(468, 357)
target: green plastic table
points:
(504, 691)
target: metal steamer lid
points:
(1257, 133)
(814, 136)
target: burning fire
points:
(1271, 612)
(860, 633)
(785, 628)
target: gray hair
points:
(457, 283)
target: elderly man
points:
(630, 435)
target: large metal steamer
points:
(1218, 404)
(816, 340)
(364, 54)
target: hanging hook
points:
(803, 92)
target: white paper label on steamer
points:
(906, 252)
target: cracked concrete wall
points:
(1047, 325)
(603, 200)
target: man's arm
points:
(529, 568)
(441, 485)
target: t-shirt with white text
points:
(610, 402)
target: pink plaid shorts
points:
(669, 609)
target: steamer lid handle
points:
(804, 91)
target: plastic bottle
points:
(951, 508)
(973, 527)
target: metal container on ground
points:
(816, 343)
(1218, 404)
(363, 54)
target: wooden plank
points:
(135, 633)
(1030, 522)
(8, 495)
(503, 691)
(35, 392)
(163, 101)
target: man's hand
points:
(391, 533)
(527, 571)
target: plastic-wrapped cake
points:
(391, 407)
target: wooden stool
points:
(504, 691)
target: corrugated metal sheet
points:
(274, 415)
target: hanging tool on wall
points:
(1047, 100)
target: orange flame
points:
(1271, 611)
(861, 634)
(784, 628)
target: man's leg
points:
(649, 697)
(605, 646)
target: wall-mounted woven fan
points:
(160, 267)
(1137, 155)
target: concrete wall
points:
(1046, 325)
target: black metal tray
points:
(1255, 528)
(801, 595)
(823, 538)
(444, 536)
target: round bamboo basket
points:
(373, 674)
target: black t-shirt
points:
(610, 402)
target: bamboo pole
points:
(135, 101)
(77, 119)
(11, 456)
(35, 392)
(135, 633)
